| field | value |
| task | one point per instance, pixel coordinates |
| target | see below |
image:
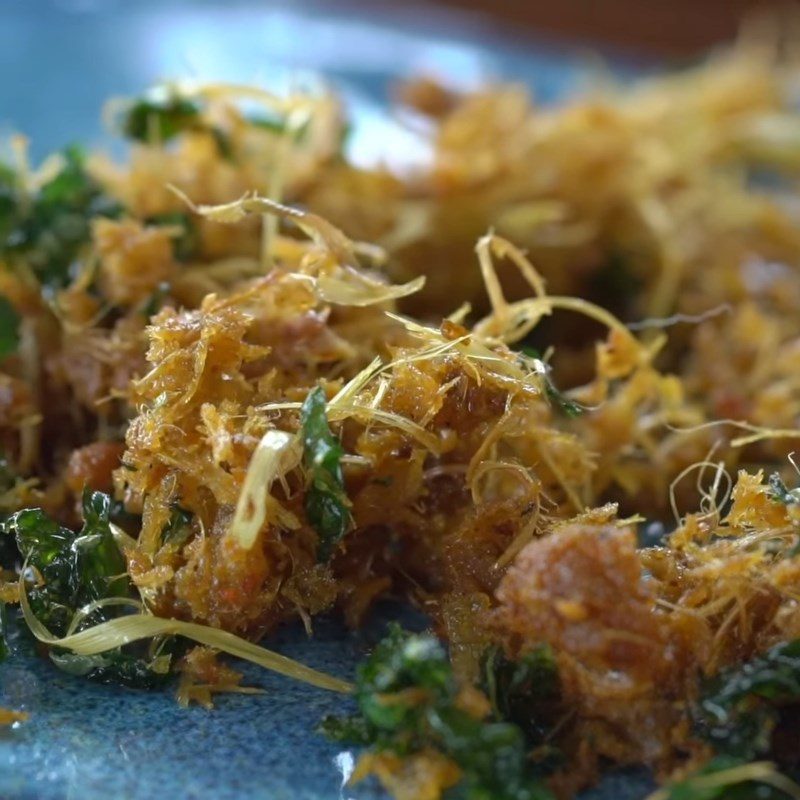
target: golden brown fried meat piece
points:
(582, 591)
(91, 466)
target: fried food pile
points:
(509, 388)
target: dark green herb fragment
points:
(9, 328)
(556, 397)
(162, 115)
(353, 730)
(48, 229)
(326, 502)
(178, 528)
(8, 553)
(406, 694)
(740, 707)
(780, 493)
(526, 692)
(9, 200)
(73, 570)
(567, 407)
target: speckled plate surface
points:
(86, 741)
(60, 61)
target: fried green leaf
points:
(740, 707)
(68, 573)
(526, 692)
(161, 115)
(780, 493)
(326, 502)
(407, 699)
(48, 229)
(178, 528)
(354, 730)
(557, 398)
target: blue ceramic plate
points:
(60, 61)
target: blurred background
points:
(61, 59)
(667, 28)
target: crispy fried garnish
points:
(8, 717)
(134, 259)
(203, 676)
(421, 776)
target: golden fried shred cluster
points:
(171, 361)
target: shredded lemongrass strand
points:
(363, 292)
(569, 490)
(319, 230)
(511, 322)
(493, 244)
(525, 315)
(342, 411)
(763, 771)
(519, 541)
(759, 433)
(348, 392)
(82, 613)
(277, 453)
(473, 349)
(118, 632)
(349, 287)
(124, 541)
(707, 495)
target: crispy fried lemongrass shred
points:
(276, 454)
(124, 630)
